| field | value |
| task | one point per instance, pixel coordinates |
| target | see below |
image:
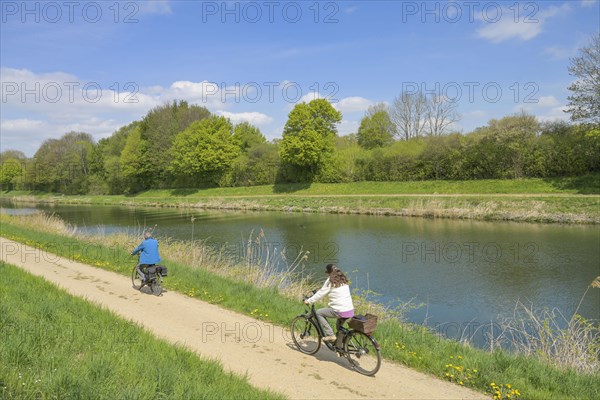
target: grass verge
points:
(413, 345)
(55, 345)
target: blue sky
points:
(95, 66)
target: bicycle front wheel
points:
(136, 281)
(305, 335)
(363, 353)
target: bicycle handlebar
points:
(308, 296)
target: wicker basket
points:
(363, 323)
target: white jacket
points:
(339, 297)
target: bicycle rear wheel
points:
(155, 286)
(305, 335)
(363, 353)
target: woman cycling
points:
(340, 300)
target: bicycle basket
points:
(363, 323)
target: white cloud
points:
(205, 93)
(27, 135)
(547, 101)
(37, 106)
(307, 98)
(476, 114)
(588, 3)
(61, 93)
(527, 25)
(345, 105)
(543, 103)
(353, 104)
(255, 118)
(507, 29)
(19, 125)
(554, 114)
(347, 127)
(548, 108)
(559, 52)
(159, 7)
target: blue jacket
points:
(149, 249)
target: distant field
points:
(589, 184)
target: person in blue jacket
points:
(149, 253)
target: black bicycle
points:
(360, 348)
(154, 278)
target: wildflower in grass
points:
(504, 391)
(460, 374)
(399, 346)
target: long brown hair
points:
(336, 276)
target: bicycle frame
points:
(330, 345)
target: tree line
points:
(178, 145)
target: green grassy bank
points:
(560, 200)
(411, 345)
(56, 346)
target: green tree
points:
(258, 166)
(205, 150)
(584, 103)
(14, 154)
(247, 136)
(10, 170)
(110, 178)
(309, 138)
(504, 145)
(62, 165)
(158, 130)
(12, 167)
(376, 129)
(133, 164)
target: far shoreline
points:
(532, 208)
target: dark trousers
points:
(142, 271)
